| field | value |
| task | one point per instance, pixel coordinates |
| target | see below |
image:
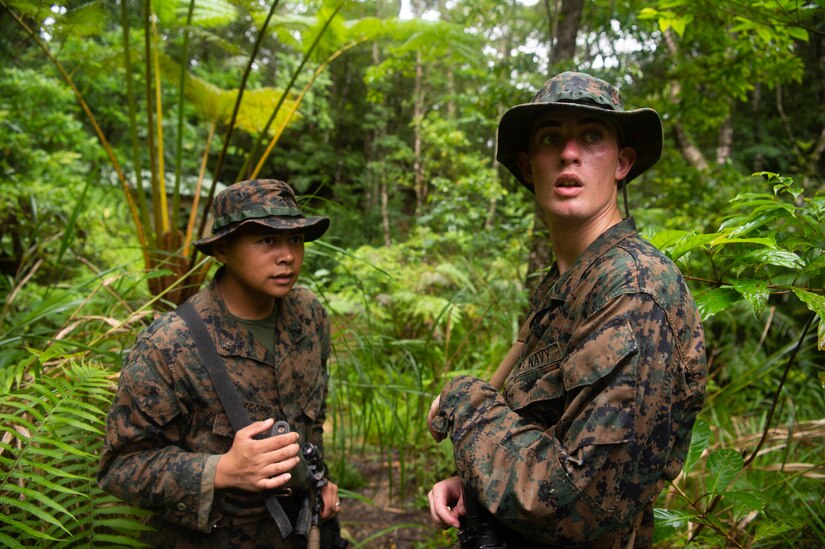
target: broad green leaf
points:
(797, 33)
(664, 239)
(756, 292)
(164, 10)
(741, 225)
(668, 522)
(725, 240)
(780, 258)
(679, 24)
(770, 529)
(692, 243)
(816, 264)
(723, 466)
(716, 300)
(746, 502)
(820, 335)
(815, 303)
(698, 442)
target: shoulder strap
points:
(215, 366)
(227, 394)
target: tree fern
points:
(52, 430)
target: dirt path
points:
(381, 523)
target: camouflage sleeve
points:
(143, 461)
(601, 464)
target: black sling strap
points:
(227, 394)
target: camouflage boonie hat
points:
(267, 202)
(641, 128)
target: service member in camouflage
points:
(169, 445)
(597, 413)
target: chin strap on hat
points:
(624, 196)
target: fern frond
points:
(51, 431)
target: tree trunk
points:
(568, 28)
(813, 159)
(688, 148)
(724, 145)
(385, 210)
(756, 107)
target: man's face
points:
(262, 262)
(574, 162)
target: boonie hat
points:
(641, 128)
(267, 202)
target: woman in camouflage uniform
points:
(597, 413)
(169, 445)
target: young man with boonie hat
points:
(170, 445)
(602, 390)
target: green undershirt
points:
(262, 330)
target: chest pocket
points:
(302, 379)
(538, 378)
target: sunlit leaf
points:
(691, 243)
(746, 502)
(698, 442)
(756, 292)
(797, 33)
(742, 225)
(815, 303)
(668, 522)
(716, 300)
(780, 258)
(723, 466)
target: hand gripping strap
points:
(227, 394)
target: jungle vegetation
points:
(120, 120)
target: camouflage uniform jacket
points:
(598, 410)
(166, 428)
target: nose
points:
(570, 151)
(284, 255)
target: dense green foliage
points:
(117, 128)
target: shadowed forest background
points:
(120, 120)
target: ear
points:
(626, 159)
(525, 166)
(219, 250)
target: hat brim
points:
(642, 129)
(312, 228)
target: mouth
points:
(568, 181)
(282, 277)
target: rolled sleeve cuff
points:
(456, 402)
(206, 517)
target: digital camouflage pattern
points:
(268, 202)
(640, 129)
(579, 87)
(167, 428)
(597, 412)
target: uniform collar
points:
(557, 287)
(234, 339)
